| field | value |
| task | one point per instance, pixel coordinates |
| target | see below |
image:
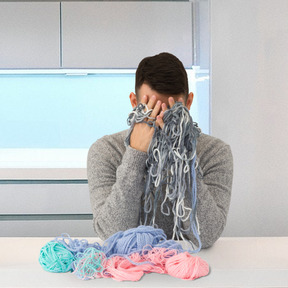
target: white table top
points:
(234, 262)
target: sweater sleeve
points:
(214, 184)
(116, 185)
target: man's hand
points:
(159, 118)
(142, 133)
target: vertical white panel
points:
(249, 109)
(30, 35)
(120, 34)
(203, 31)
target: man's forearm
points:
(214, 187)
(116, 196)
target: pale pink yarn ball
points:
(186, 266)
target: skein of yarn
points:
(136, 239)
(186, 266)
(54, 257)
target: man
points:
(116, 173)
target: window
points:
(49, 119)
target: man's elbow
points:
(101, 233)
(208, 238)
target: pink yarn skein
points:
(186, 266)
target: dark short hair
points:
(163, 73)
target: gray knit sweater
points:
(116, 178)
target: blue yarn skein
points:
(54, 257)
(137, 239)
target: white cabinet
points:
(29, 35)
(93, 34)
(33, 199)
(120, 34)
(45, 210)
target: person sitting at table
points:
(116, 172)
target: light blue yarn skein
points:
(54, 257)
(137, 239)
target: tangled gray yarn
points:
(171, 166)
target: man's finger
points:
(164, 107)
(156, 109)
(159, 120)
(171, 101)
(144, 99)
(181, 100)
(151, 102)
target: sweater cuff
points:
(135, 158)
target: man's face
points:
(146, 90)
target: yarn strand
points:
(172, 164)
(126, 255)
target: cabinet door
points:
(29, 34)
(29, 210)
(120, 34)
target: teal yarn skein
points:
(54, 257)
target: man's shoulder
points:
(115, 137)
(113, 141)
(208, 140)
(214, 152)
(210, 144)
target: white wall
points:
(249, 57)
